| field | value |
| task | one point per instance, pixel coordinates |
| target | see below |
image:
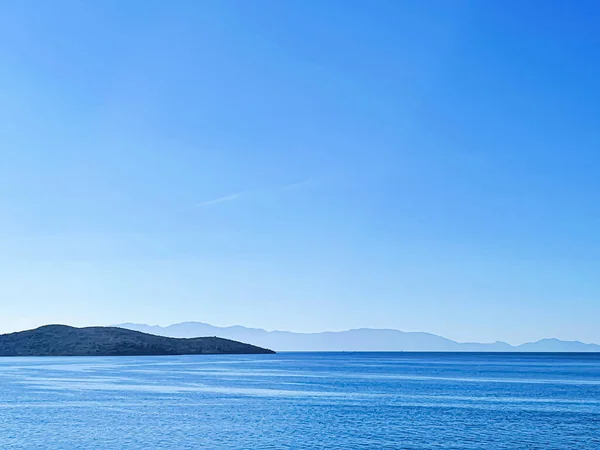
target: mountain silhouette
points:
(363, 339)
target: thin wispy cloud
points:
(235, 196)
(226, 198)
(297, 185)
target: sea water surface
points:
(302, 400)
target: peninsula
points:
(63, 340)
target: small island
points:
(63, 340)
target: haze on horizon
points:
(302, 165)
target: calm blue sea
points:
(303, 400)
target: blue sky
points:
(302, 165)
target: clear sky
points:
(302, 165)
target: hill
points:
(62, 340)
(363, 339)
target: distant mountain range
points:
(363, 339)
